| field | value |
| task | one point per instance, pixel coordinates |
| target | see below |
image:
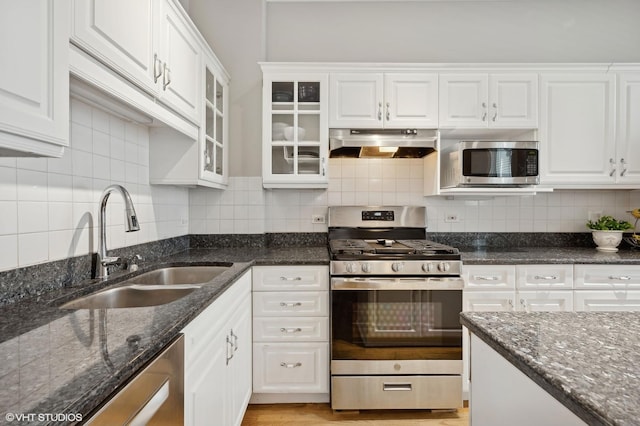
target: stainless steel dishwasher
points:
(154, 396)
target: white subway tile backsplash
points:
(50, 205)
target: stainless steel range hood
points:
(381, 143)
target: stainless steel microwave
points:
(489, 163)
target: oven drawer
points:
(273, 329)
(290, 278)
(395, 392)
(291, 367)
(284, 303)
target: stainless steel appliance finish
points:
(396, 339)
(382, 143)
(489, 163)
(154, 396)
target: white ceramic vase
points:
(607, 241)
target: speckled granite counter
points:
(67, 362)
(589, 361)
(542, 255)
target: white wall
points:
(49, 206)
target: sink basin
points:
(131, 296)
(179, 275)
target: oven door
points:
(396, 319)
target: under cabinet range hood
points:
(381, 143)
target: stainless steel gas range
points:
(396, 338)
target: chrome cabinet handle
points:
(229, 345)
(485, 278)
(495, 115)
(612, 163)
(291, 330)
(290, 304)
(324, 172)
(545, 277)
(157, 70)
(623, 165)
(379, 111)
(510, 302)
(397, 387)
(484, 116)
(523, 303)
(290, 278)
(388, 111)
(290, 365)
(621, 277)
(166, 79)
(235, 341)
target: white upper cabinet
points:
(389, 100)
(34, 77)
(123, 34)
(295, 134)
(577, 129)
(150, 43)
(488, 100)
(628, 133)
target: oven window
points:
(396, 324)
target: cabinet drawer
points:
(489, 277)
(290, 278)
(290, 367)
(609, 277)
(392, 392)
(291, 329)
(291, 303)
(543, 277)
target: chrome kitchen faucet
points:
(131, 225)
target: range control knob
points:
(397, 266)
(366, 268)
(350, 267)
(444, 266)
(428, 267)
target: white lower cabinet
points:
(501, 393)
(607, 300)
(290, 334)
(218, 359)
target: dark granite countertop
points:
(542, 255)
(70, 361)
(589, 361)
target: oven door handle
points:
(427, 283)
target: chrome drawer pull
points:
(396, 387)
(291, 330)
(290, 304)
(289, 365)
(622, 277)
(484, 278)
(290, 278)
(545, 277)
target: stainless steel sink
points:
(179, 275)
(131, 296)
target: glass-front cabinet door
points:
(295, 130)
(214, 148)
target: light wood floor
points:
(321, 414)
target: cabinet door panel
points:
(121, 33)
(577, 129)
(628, 143)
(513, 100)
(463, 100)
(603, 300)
(545, 301)
(34, 77)
(488, 301)
(181, 54)
(355, 100)
(411, 100)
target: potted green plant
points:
(607, 232)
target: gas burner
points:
(350, 246)
(429, 247)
